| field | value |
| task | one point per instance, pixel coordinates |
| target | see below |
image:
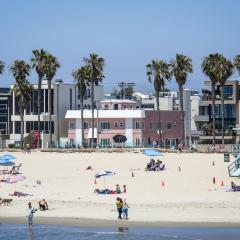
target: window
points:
(88, 93)
(105, 125)
(71, 125)
(174, 125)
(105, 142)
(85, 125)
(124, 106)
(121, 124)
(143, 125)
(137, 125)
(169, 125)
(115, 124)
(106, 106)
(131, 106)
(137, 142)
(151, 125)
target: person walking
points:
(119, 207)
(30, 212)
(125, 208)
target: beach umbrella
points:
(14, 179)
(7, 158)
(6, 164)
(104, 174)
(152, 152)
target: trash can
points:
(226, 157)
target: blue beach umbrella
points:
(104, 174)
(7, 158)
(152, 152)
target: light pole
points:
(97, 106)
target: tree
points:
(225, 68)
(95, 65)
(22, 89)
(82, 77)
(159, 71)
(2, 65)
(38, 61)
(181, 67)
(128, 91)
(51, 66)
(218, 69)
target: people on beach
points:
(118, 189)
(234, 187)
(124, 188)
(119, 205)
(30, 212)
(125, 208)
(43, 205)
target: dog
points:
(5, 201)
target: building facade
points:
(141, 128)
(64, 97)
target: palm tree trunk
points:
(157, 98)
(39, 93)
(222, 113)
(82, 117)
(22, 127)
(50, 112)
(92, 105)
(182, 114)
(213, 113)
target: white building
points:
(64, 97)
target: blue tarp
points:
(6, 158)
(152, 152)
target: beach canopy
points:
(152, 152)
(7, 164)
(7, 158)
(104, 173)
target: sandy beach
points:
(187, 197)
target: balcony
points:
(207, 134)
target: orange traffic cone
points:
(179, 169)
(213, 163)
(163, 184)
(214, 180)
(95, 181)
(222, 184)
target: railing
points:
(234, 166)
(209, 98)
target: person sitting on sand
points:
(234, 187)
(43, 205)
(124, 188)
(118, 190)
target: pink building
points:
(140, 128)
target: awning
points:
(90, 133)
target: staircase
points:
(234, 168)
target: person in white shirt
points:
(30, 212)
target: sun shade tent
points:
(152, 152)
(7, 158)
(104, 174)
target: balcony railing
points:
(209, 97)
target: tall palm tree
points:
(2, 65)
(212, 67)
(95, 65)
(225, 69)
(159, 71)
(82, 77)
(22, 89)
(38, 61)
(181, 67)
(51, 67)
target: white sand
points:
(188, 195)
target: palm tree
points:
(218, 69)
(51, 67)
(22, 89)
(95, 65)
(159, 71)
(225, 69)
(38, 61)
(2, 65)
(181, 67)
(82, 77)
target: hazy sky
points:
(127, 33)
